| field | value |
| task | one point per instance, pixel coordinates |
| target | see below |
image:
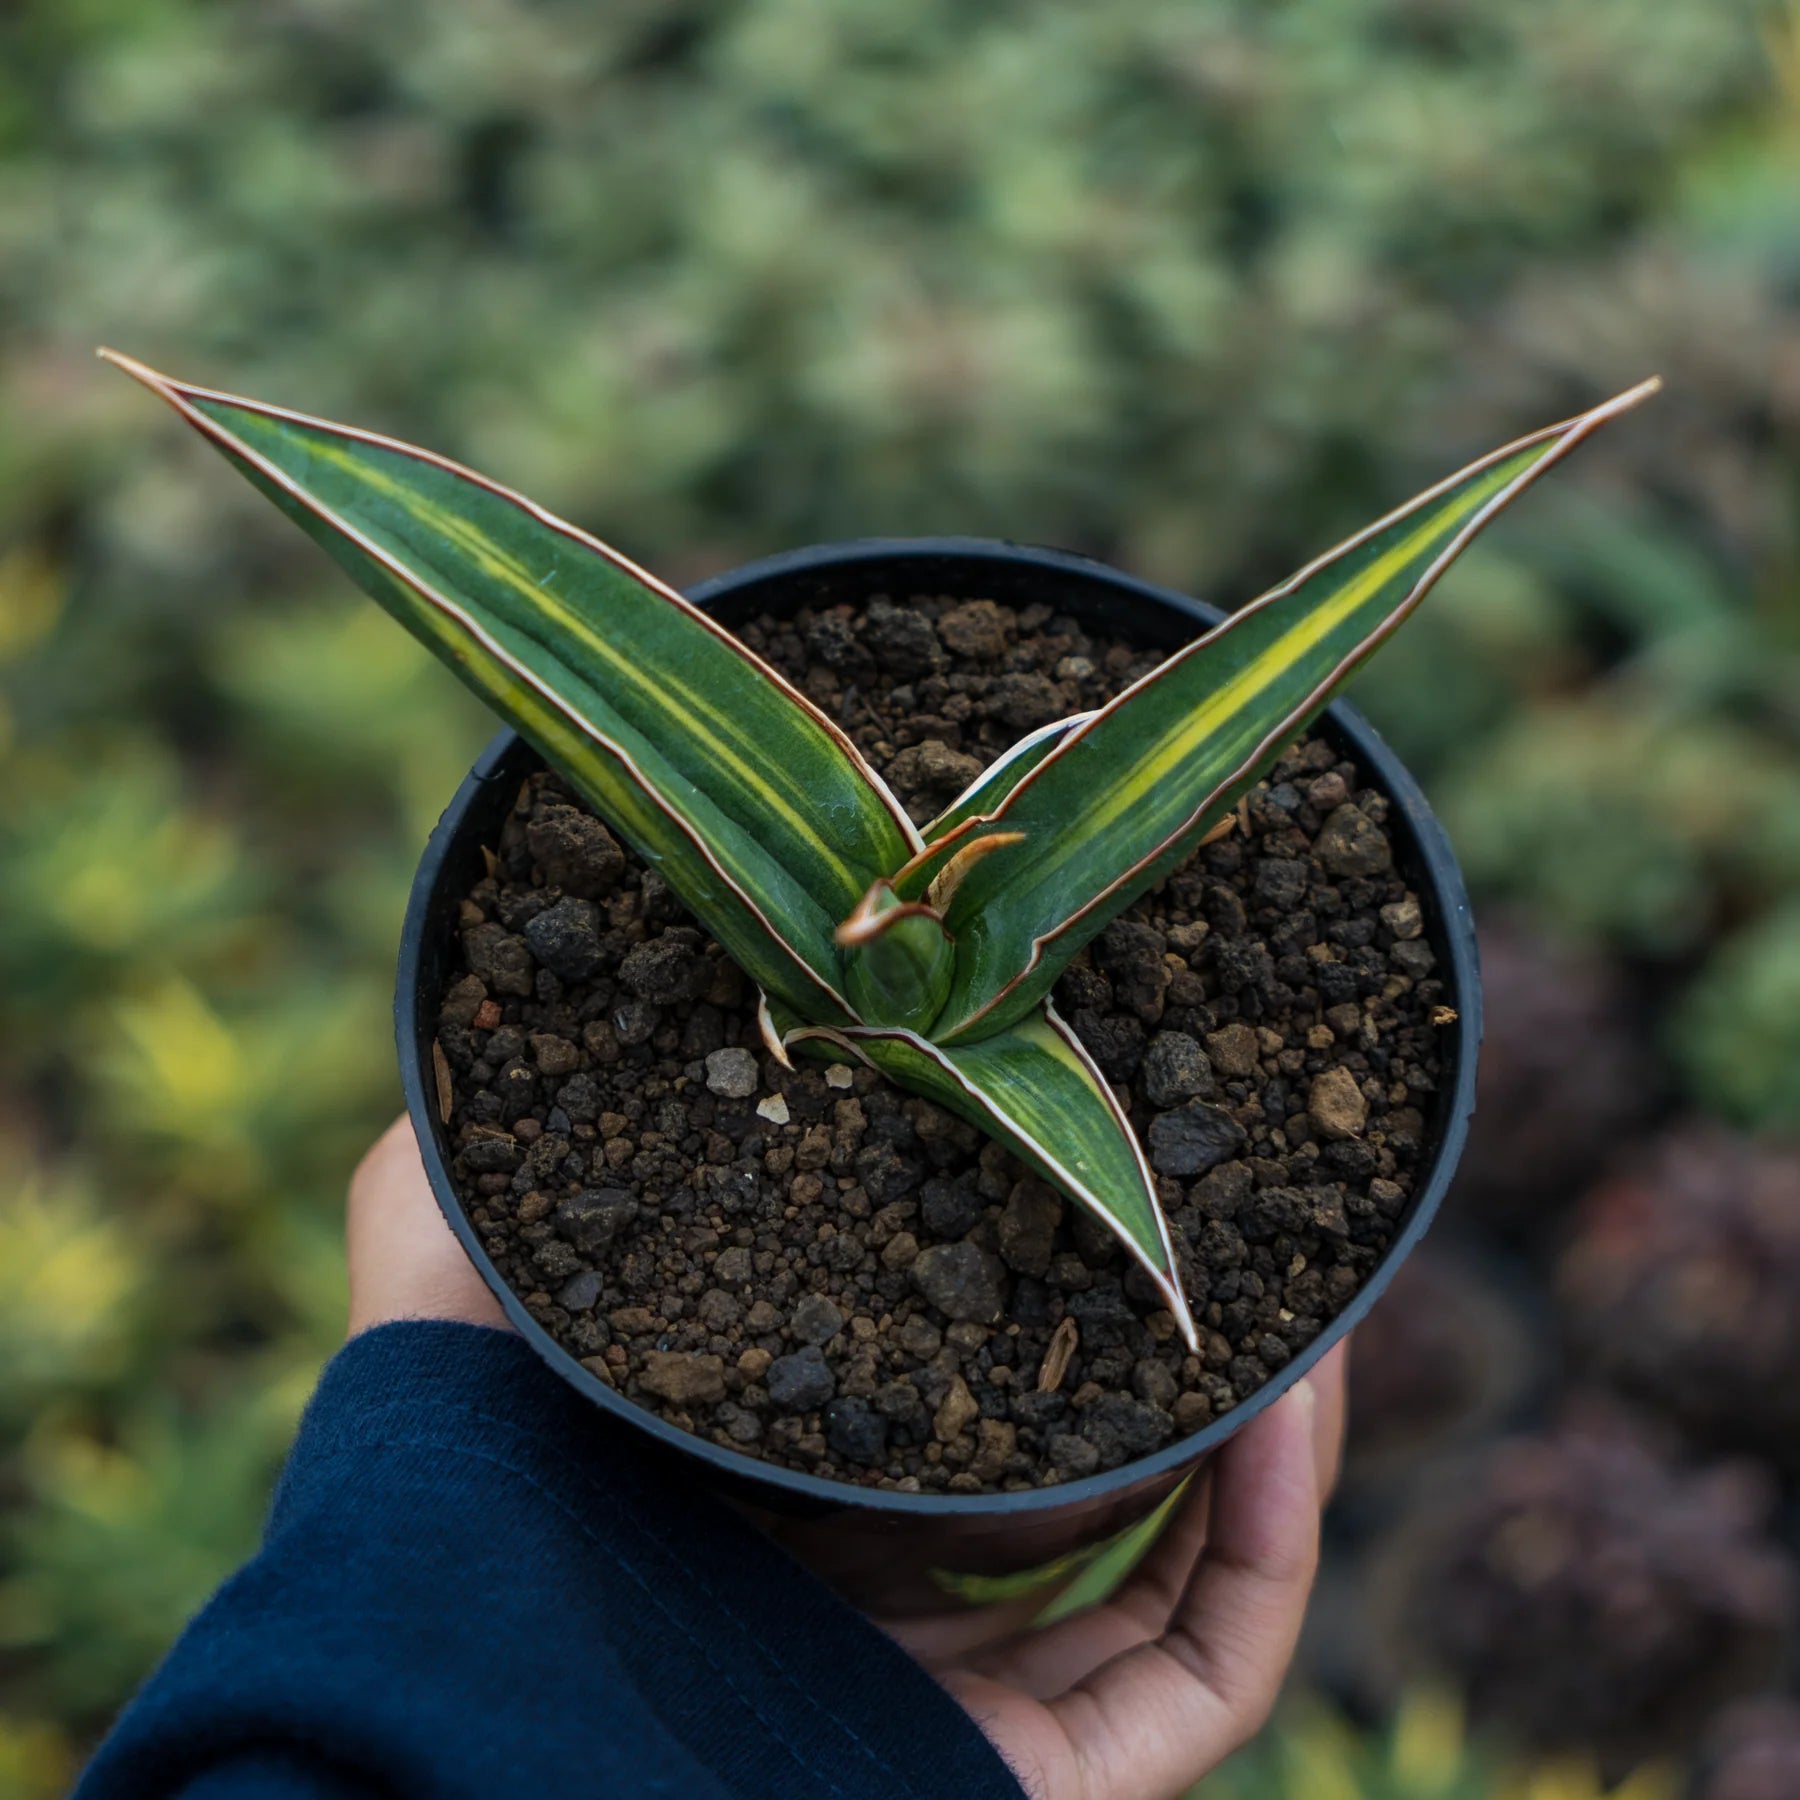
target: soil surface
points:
(819, 1270)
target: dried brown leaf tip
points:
(440, 1067)
(1058, 1356)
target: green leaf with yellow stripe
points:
(753, 804)
(1118, 802)
(1034, 1088)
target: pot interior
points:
(987, 1532)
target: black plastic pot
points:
(892, 1550)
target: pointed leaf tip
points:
(1118, 801)
(756, 805)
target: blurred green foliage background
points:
(1196, 285)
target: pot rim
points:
(1446, 899)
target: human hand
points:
(405, 1262)
(1135, 1700)
(1144, 1695)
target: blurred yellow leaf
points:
(37, 1761)
(68, 1277)
(1430, 1741)
(31, 600)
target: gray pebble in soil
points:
(580, 1292)
(573, 850)
(1027, 1227)
(900, 1403)
(668, 969)
(555, 1261)
(732, 1074)
(976, 629)
(1072, 1456)
(499, 958)
(490, 1151)
(579, 1098)
(885, 1174)
(800, 1382)
(855, 1431)
(960, 1280)
(554, 1055)
(1280, 883)
(683, 1379)
(950, 1209)
(1193, 1138)
(1336, 1105)
(919, 1337)
(733, 1268)
(1120, 1428)
(1175, 1069)
(1233, 1050)
(1023, 701)
(565, 938)
(636, 1021)
(739, 1423)
(1351, 843)
(815, 1320)
(1275, 1209)
(593, 1218)
(1413, 957)
(1403, 917)
(1155, 1383)
(462, 1001)
(932, 768)
(902, 640)
(1131, 955)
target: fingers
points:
(1330, 1415)
(1043, 1663)
(1047, 1662)
(405, 1263)
(1152, 1721)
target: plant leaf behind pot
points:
(1120, 801)
(756, 807)
(1034, 1088)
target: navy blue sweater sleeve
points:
(474, 1585)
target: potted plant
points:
(943, 1175)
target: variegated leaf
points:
(756, 807)
(897, 959)
(1118, 802)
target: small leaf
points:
(897, 959)
(1035, 1089)
(756, 807)
(1119, 801)
(1058, 1354)
(446, 1088)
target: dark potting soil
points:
(819, 1270)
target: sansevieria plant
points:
(929, 953)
